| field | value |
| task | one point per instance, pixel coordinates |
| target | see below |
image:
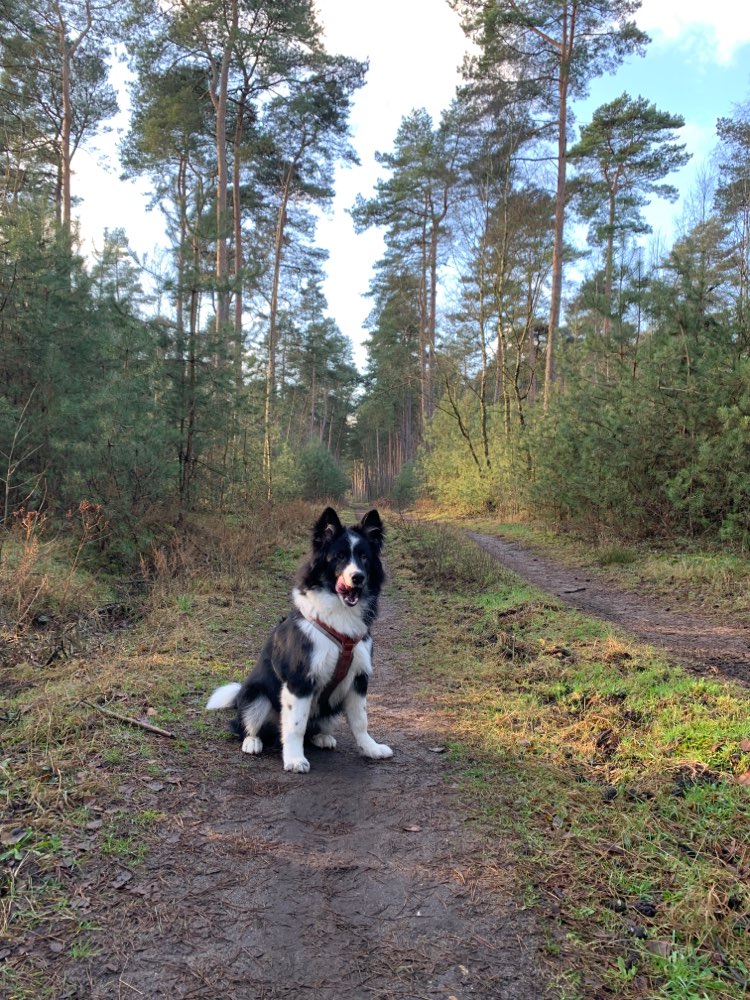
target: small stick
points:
(133, 722)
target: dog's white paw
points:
(300, 765)
(376, 751)
(324, 741)
(251, 744)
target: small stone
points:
(617, 905)
(637, 931)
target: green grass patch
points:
(611, 772)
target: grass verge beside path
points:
(715, 581)
(621, 781)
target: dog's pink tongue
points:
(346, 594)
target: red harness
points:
(346, 644)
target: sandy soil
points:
(359, 881)
(702, 645)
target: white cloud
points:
(713, 30)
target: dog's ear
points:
(372, 528)
(326, 528)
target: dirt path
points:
(359, 881)
(700, 644)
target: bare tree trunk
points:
(565, 51)
(483, 374)
(68, 49)
(219, 93)
(237, 222)
(423, 333)
(272, 329)
(609, 267)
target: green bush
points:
(407, 487)
(320, 477)
(462, 481)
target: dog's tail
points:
(225, 696)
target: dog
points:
(317, 662)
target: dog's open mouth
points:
(349, 595)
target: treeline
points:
(212, 375)
(512, 368)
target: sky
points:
(697, 65)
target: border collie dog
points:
(316, 663)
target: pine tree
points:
(551, 49)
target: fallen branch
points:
(132, 722)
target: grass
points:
(611, 771)
(43, 576)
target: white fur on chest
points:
(330, 609)
(325, 652)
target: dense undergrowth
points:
(620, 780)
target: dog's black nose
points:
(358, 579)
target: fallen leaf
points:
(412, 829)
(10, 837)
(662, 948)
(744, 778)
(121, 879)
(745, 746)
(56, 947)
(437, 749)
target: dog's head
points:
(346, 560)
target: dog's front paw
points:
(375, 751)
(251, 744)
(300, 765)
(324, 741)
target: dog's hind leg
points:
(355, 709)
(324, 738)
(295, 711)
(252, 717)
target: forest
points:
(566, 813)
(511, 367)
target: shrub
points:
(407, 487)
(320, 477)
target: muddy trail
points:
(358, 881)
(703, 646)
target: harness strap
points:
(346, 644)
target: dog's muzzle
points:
(350, 592)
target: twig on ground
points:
(132, 722)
